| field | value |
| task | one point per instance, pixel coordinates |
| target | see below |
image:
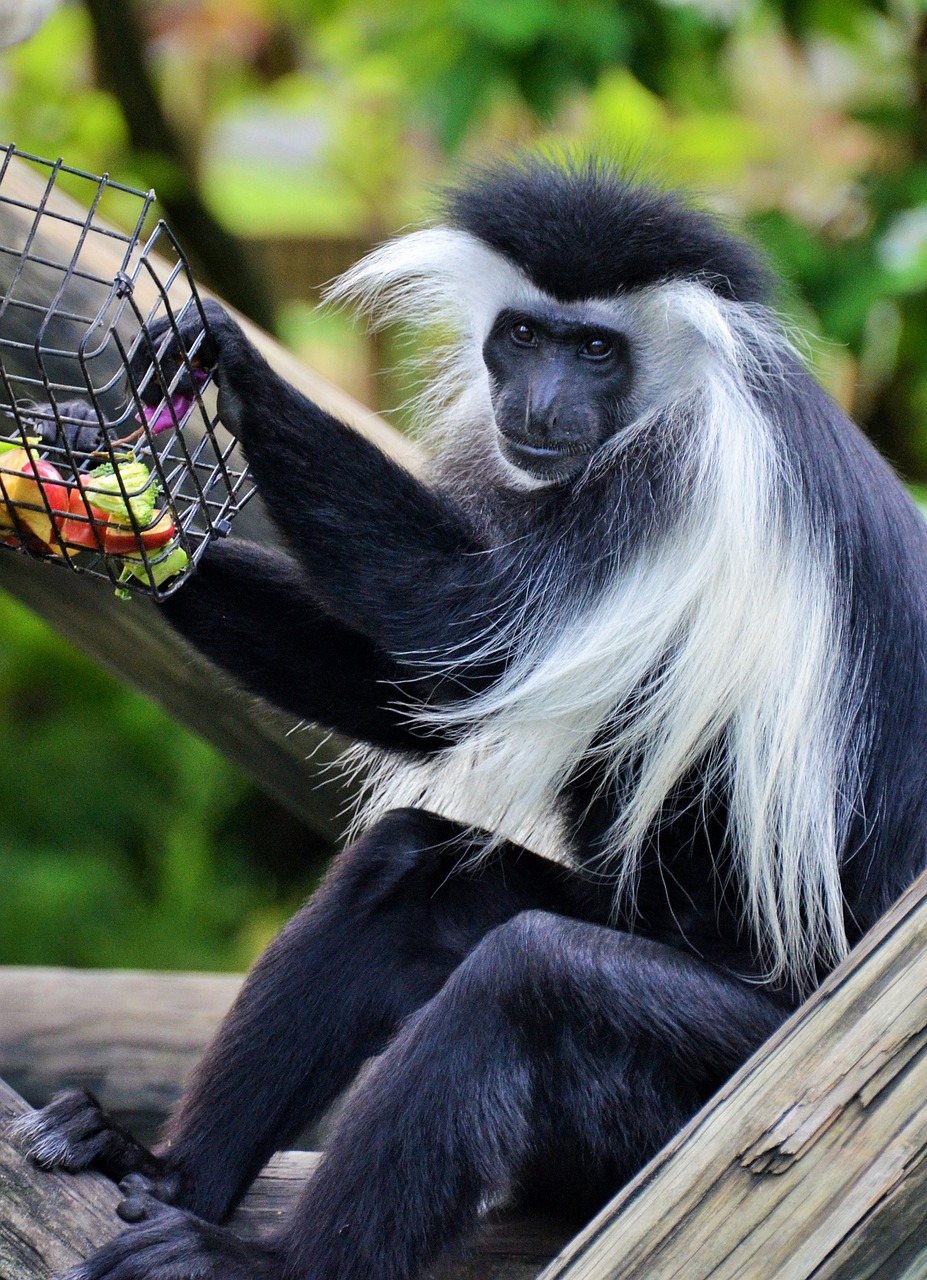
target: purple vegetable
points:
(161, 418)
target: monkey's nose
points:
(558, 426)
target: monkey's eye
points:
(597, 348)
(522, 334)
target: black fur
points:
(529, 1041)
(587, 232)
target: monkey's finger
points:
(58, 1136)
(171, 351)
(139, 1207)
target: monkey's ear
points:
(437, 276)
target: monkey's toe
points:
(143, 1192)
(74, 1133)
(172, 1245)
(68, 1134)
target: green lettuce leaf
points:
(169, 567)
(104, 490)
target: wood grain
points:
(50, 1221)
(812, 1161)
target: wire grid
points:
(80, 368)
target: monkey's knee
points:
(381, 893)
(532, 945)
(514, 973)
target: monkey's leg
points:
(555, 1061)
(396, 915)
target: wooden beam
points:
(131, 1038)
(812, 1161)
(50, 1221)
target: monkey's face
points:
(560, 388)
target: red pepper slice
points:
(122, 539)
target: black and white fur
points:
(674, 641)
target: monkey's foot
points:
(173, 1245)
(74, 1132)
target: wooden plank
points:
(812, 1161)
(131, 1038)
(50, 1221)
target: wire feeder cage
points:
(74, 333)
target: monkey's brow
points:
(556, 324)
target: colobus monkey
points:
(658, 610)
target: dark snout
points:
(557, 420)
(545, 429)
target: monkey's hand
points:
(74, 1133)
(384, 553)
(183, 348)
(173, 1245)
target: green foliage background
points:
(126, 840)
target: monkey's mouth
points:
(544, 462)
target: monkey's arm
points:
(382, 552)
(249, 610)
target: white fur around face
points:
(719, 640)
(446, 280)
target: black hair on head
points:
(586, 232)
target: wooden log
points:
(812, 1161)
(50, 1221)
(131, 1038)
(128, 637)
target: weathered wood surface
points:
(50, 1221)
(47, 1221)
(812, 1161)
(129, 637)
(132, 1038)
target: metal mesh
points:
(79, 368)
